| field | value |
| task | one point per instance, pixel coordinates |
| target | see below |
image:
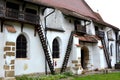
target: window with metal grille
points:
(55, 49)
(21, 47)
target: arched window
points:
(21, 47)
(55, 49)
(111, 47)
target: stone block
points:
(76, 68)
(4, 56)
(78, 65)
(6, 67)
(12, 67)
(9, 73)
(12, 62)
(7, 48)
(1, 79)
(68, 69)
(10, 54)
(57, 70)
(74, 61)
(10, 43)
(10, 78)
(13, 48)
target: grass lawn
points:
(69, 76)
(110, 76)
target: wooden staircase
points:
(45, 48)
(106, 52)
(67, 54)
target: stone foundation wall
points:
(58, 70)
(77, 68)
(9, 56)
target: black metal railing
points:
(19, 15)
(1, 11)
(31, 18)
(81, 28)
(12, 13)
(100, 34)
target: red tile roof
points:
(101, 21)
(73, 14)
(87, 38)
(98, 16)
(78, 6)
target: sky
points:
(108, 9)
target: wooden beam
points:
(22, 25)
(35, 30)
(1, 26)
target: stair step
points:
(106, 53)
(67, 54)
(45, 48)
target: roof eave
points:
(39, 3)
(106, 24)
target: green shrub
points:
(70, 76)
(46, 77)
(68, 73)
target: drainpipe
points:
(117, 48)
(89, 22)
(116, 51)
(45, 18)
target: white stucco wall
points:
(34, 63)
(60, 23)
(2, 61)
(76, 50)
(118, 55)
(103, 63)
(96, 54)
(113, 57)
(90, 28)
(54, 20)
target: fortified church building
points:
(54, 36)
